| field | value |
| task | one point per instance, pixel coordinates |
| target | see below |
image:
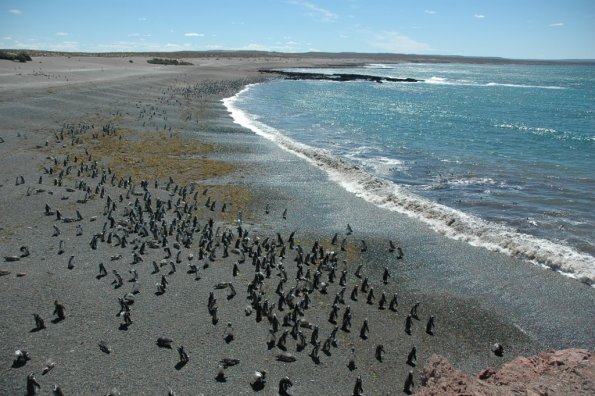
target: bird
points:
(258, 379)
(32, 384)
(104, 347)
(286, 357)
(164, 342)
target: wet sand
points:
(94, 109)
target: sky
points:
(520, 29)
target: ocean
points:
(500, 156)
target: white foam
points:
(381, 66)
(447, 221)
(446, 81)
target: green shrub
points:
(162, 61)
(21, 56)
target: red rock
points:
(565, 372)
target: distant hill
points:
(355, 56)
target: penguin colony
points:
(161, 231)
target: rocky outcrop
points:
(291, 75)
(565, 372)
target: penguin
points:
(413, 311)
(358, 389)
(286, 357)
(39, 322)
(32, 385)
(379, 352)
(118, 282)
(352, 366)
(364, 247)
(49, 366)
(326, 347)
(408, 387)
(391, 246)
(228, 334)
(382, 301)
(430, 326)
(104, 347)
(385, 276)
(282, 340)
(59, 311)
(164, 342)
(183, 355)
(57, 391)
(284, 385)
(314, 352)
(364, 330)
(102, 271)
(498, 349)
(408, 324)
(370, 299)
(258, 380)
(394, 303)
(21, 357)
(220, 377)
(412, 357)
(354, 292)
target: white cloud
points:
(193, 34)
(431, 12)
(133, 34)
(557, 24)
(37, 45)
(316, 11)
(61, 34)
(15, 12)
(479, 16)
(6, 38)
(142, 19)
(396, 42)
(255, 47)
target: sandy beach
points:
(140, 167)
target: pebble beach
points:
(200, 223)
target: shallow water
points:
(504, 150)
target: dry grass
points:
(150, 157)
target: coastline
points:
(442, 219)
(478, 297)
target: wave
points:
(547, 132)
(446, 81)
(381, 66)
(445, 220)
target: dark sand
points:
(477, 297)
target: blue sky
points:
(542, 29)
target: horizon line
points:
(291, 54)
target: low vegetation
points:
(21, 56)
(163, 61)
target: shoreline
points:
(478, 297)
(445, 220)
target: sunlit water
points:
(511, 145)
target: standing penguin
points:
(59, 311)
(32, 385)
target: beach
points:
(72, 127)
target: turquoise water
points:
(511, 145)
